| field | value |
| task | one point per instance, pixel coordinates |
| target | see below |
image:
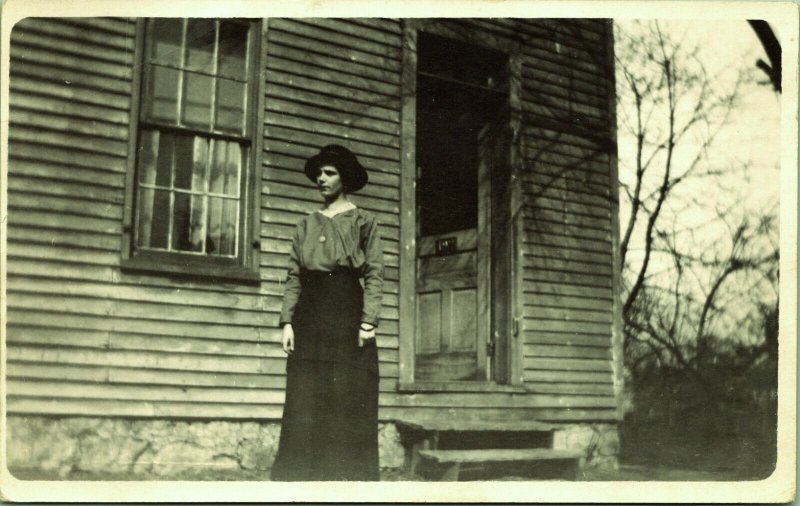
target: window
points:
(194, 189)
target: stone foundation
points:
(599, 443)
(146, 449)
(42, 447)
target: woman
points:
(330, 416)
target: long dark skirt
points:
(329, 429)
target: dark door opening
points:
(462, 103)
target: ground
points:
(670, 453)
(626, 472)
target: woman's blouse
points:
(349, 240)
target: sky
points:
(753, 132)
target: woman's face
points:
(329, 182)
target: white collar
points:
(325, 213)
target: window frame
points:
(244, 268)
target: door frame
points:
(408, 175)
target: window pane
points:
(200, 163)
(462, 62)
(232, 50)
(236, 157)
(184, 161)
(198, 223)
(166, 35)
(230, 106)
(200, 38)
(162, 90)
(225, 168)
(187, 223)
(166, 152)
(222, 226)
(145, 217)
(148, 156)
(153, 218)
(230, 224)
(214, 228)
(180, 223)
(197, 95)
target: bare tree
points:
(677, 326)
(679, 285)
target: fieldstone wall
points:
(599, 443)
(146, 449)
(42, 447)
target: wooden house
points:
(155, 177)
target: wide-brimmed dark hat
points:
(354, 175)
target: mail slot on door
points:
(446, 246)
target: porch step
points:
(452, 449)
(460, 465)
(475, 426)
(494, 455)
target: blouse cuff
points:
(286, 313)
(369, 321)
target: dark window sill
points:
(457, 386)
(175, 266)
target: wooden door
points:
(464, 294)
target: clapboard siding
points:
(335, 34)
(75, 29)
(283, 105)
(127, 375)
(369, 151)
(589, 158)
(567, 271)
(67, 156)
(160, 393)
(27, 34)
(86, 338)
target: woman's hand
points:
(287, 339)
(365, 336)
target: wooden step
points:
(475, 426)
(503, 455)
(460, 465)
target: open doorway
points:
(463, 173)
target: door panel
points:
(429, 311)
(464, 330)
